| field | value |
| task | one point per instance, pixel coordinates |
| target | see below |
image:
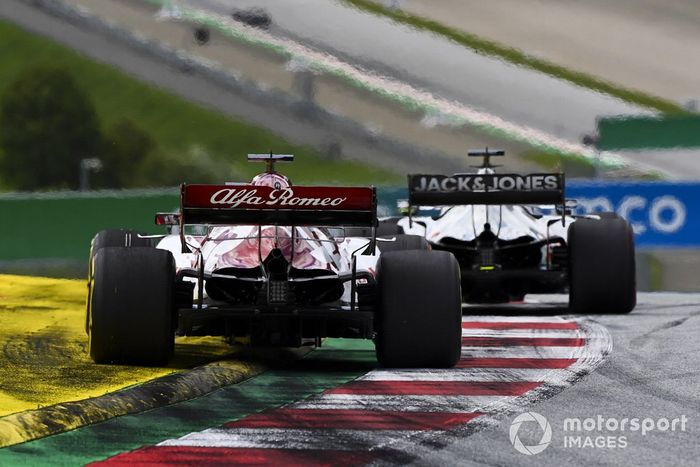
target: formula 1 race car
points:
(268, 263)
(508, 244)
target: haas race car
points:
(515, 234)
(272, 264)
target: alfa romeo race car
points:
(515, 234)
(269, 263)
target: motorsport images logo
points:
(544, 426)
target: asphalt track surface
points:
(652, 372)
(336, 407)
(643, 44)
(454, 78)
(436, 65)
(537, 107)
(191, 86)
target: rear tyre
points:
(419, 310)
(109, 238)
(389, 227)
(601, 266)
(130, 314)
(386, 227)
(119, 237)
(607, 215)
(402, 243)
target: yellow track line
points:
(178, 387)
(44, 363)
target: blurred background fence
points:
(50, 233)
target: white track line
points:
(521, 352)
(566, 333)
(466, 374)
(515, 319)
(341, 440)
(454, 404)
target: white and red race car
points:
(271, 262)
(514, 234)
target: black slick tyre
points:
(109, 238)
(389, 227)
(386, 227)
(607, 215)
(130, 313)
(601, 266)
(419, 309)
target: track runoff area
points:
(508, 363)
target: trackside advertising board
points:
(60, 225)
(663, 214)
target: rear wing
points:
(444, 190)
(263, 205)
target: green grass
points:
(178, 126)
(517, 57)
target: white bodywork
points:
(246, 246)
(507, 222)
(465, 223)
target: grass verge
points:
(517, 57)
(180, 128)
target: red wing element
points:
(298, 205)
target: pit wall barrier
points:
(60, 225)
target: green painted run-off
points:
(339, 361)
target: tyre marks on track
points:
(394, 415)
